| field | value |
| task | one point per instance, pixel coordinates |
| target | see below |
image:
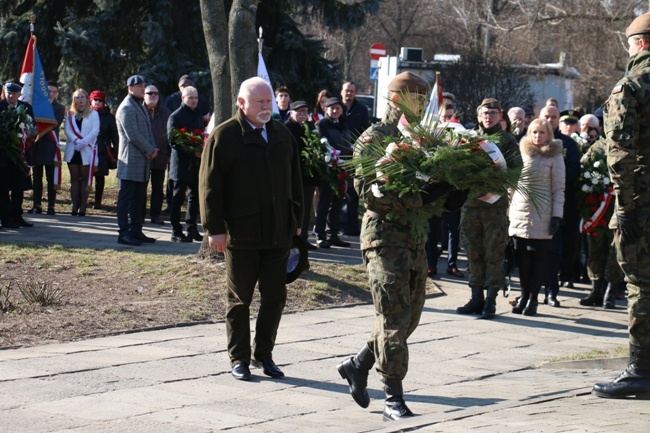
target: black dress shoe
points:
(241, 372)
(128, 240)
(10, 225)
(337, 242)
(180, 237)
(323, 244)
(36, 210)
(22, 223)
(157, 220)
(50, 211)
(552, 301)
(311, 246)
(143, 238)
(193, 233)
(268, 367)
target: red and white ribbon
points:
(586, 226)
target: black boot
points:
(609, 301)
(531, 306)
(193, 233)
(596, 296)
(475, 304)
(522, 301)
(355, 371)
(395, 408)
(634, 381)
(490, 306)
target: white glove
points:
(80, 145)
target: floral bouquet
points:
(17, 133)
(596, 194)
(433, 153)
(321, 159)
(187, 140)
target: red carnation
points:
(590, 199)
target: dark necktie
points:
(259, 132)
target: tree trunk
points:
(215, 31)
(242, 40)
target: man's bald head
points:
(552, 115)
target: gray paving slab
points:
(465, 374)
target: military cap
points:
(185, 80)
(639, 26)
(570, 116)
(333, 101)
(490, 103)
(134, 80)
(408, 82)
(297, 104)
(13, 87)
(529, 110)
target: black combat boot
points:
(597, 292)
(475, 304)
(634, 381)
(531, 307)
(395, 408)
(355, 371)
(609, 300)
(490, 306)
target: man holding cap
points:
(137, 149)
(627, 131)
(395, 261)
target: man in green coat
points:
(250, 193)
(627, 131)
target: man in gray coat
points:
(137, 149)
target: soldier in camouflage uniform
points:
(396, 265)
(484, 226)
(627, 130)
(604, 271)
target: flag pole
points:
(32, 20)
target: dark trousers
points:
(553, 260)
(157, 192)
(531, 271)
(37, 173)
(11, 193)
(244, 269)
(308, 198)
(327, 213)
(452, 225)
(178, 199)
(431, 247)
(129, 203)
(169, 192)
(350, 216)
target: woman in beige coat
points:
(532, 225)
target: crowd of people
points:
(253, 213)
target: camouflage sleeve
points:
(385, 201)
(621, 127)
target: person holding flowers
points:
(394, 257)
(185, 131)
(484, 223)
(533, 224)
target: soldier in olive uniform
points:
(395, 261)
(604, 271)
(627, 130)
(484, 226)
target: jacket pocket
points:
(243, 222)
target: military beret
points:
(570, 116)
(490, 103)
(333, 101)
(297, 104)
(13, 87)
(408, 82)
(97, 94)
(639, 26)
(185, 80)
(134, 80)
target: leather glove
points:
(630, 230)
(433, 191)
(555, 225)
(455, 200)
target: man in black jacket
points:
(184, 167)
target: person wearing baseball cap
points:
(627, 132)
(386, 246)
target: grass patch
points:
(616, 352)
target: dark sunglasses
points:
(151, 93)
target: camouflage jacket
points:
(627, 130)
(376, 231)
(507, 143)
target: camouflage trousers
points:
(635, 262)
(485, 235)
(397, 278)
(602, 261)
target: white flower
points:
(21, 125)
(324, 140)
(586, 188)
(375, 191)
(606, 181)
(586, 175)
(328, 158)
(597, 164)
(20, 135)
(595, 181)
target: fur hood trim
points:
(549, 150)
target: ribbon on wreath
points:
(499, 162)
(93, 161)
(590, 224)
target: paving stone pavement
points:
(466, 374)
